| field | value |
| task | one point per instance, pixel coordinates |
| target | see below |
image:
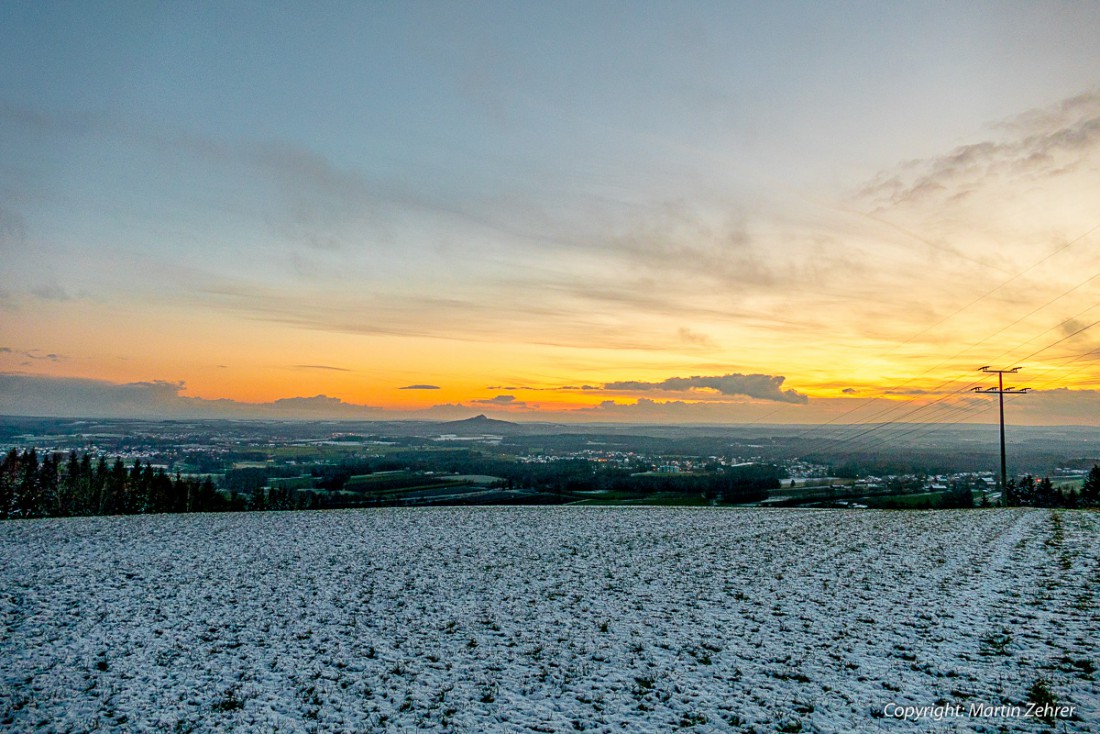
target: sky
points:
(663, 212)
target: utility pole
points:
(1000, 391)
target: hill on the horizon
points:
(480, 424)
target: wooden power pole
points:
(1000, 391)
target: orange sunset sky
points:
(642, 212)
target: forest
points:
(52, 484)
(1028, 491)
(55, 485)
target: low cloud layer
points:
(35, 395)
(501, 401)
(77, 397)
(763, 387)
(1058, 407)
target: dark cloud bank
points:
(764, 387)
(509, 400)
(76, 397)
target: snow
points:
(547, 619)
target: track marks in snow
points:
(544, 619)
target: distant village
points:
(303, 465)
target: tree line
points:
(1031, 492)
(54, 486)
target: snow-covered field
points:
(549, 620)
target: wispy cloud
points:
(1069, 327)
(588, 286)
(692, 337)
(321, 367)
(679, 239)
(320, 204)
(419, 387)
(323, 203)
(542, 389)
(476, 317)
(51, 292)
(1036, 144)
(13, 228)
(35, 354)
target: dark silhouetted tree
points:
(1090, 491)
(28, 495)
(9, 483)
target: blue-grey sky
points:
(540, 194)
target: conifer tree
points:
(99, 488)
(1090, 491)
(1045, 496)
(9, 483)
(84, 500)
(48, 487)
(115, 499)
(27, 493)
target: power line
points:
(985, 295)
(843, 439)
(892, 408)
